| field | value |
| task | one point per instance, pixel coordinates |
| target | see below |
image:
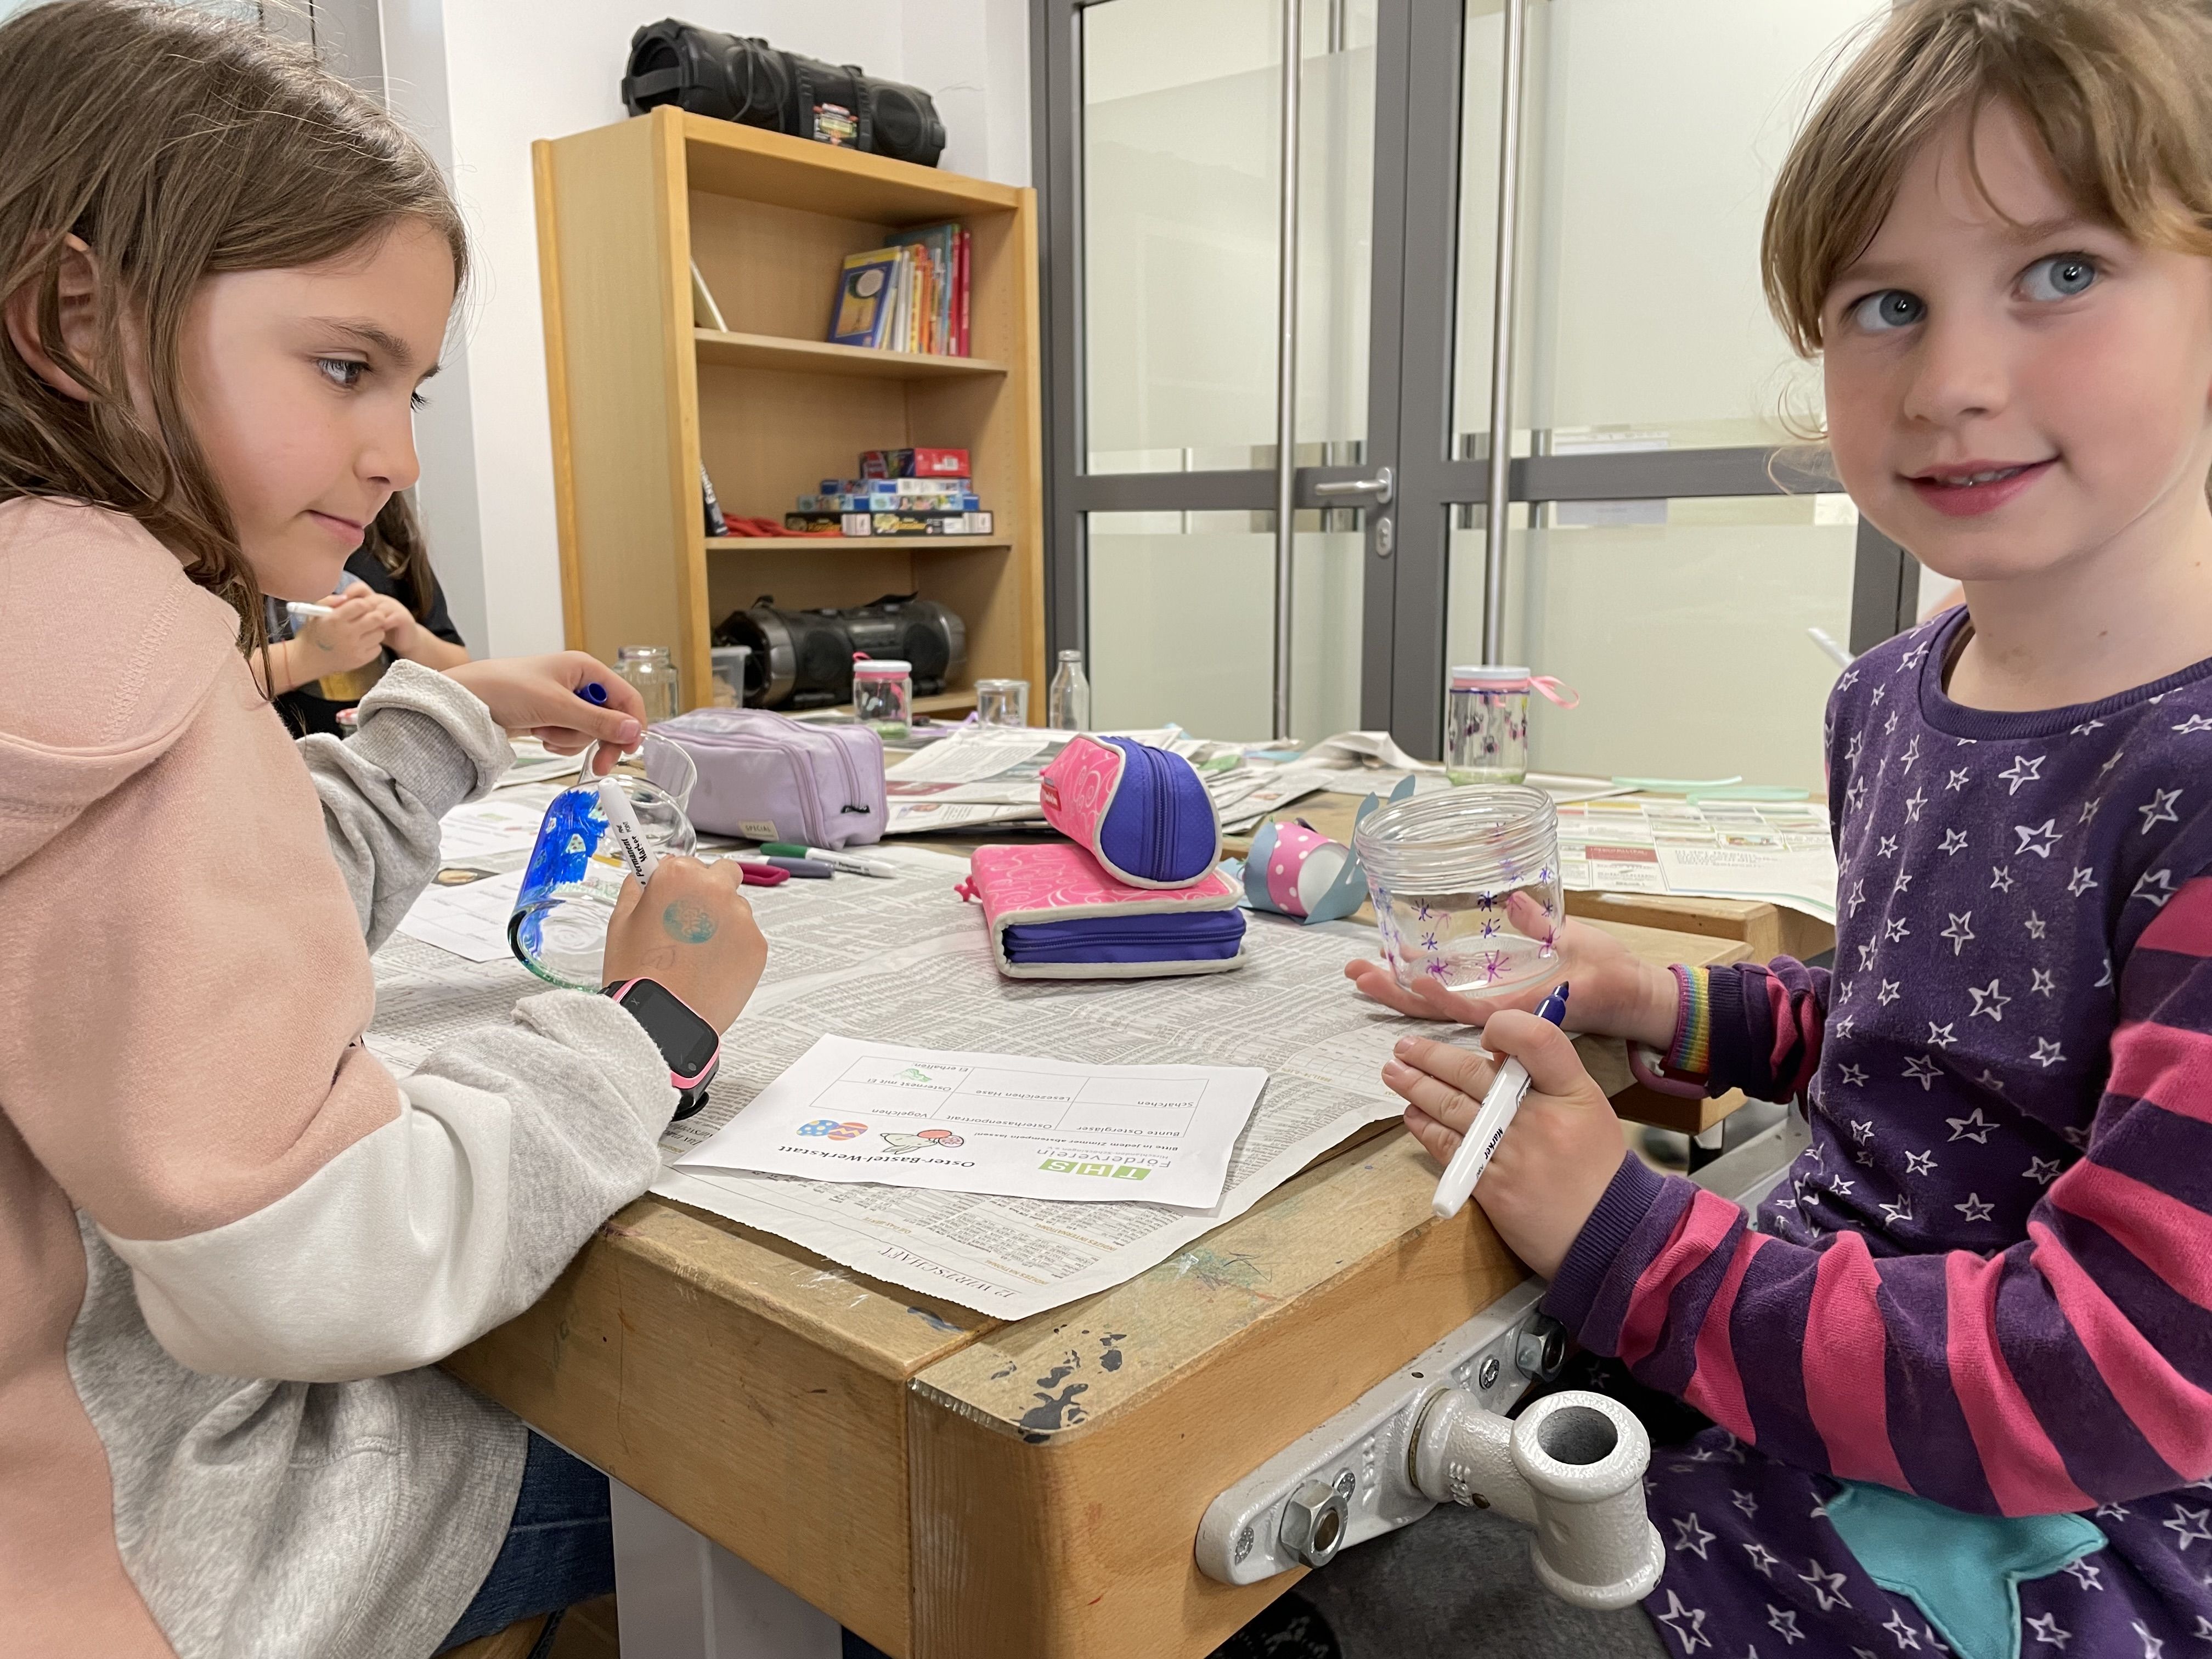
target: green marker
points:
(843, 861)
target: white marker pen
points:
(628, 833)
(300, 609)
(1492, 1120)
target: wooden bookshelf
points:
(640, 397)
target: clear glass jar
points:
(883, 695)
(1466, 886)
(1002, 702)
(1487, 725)
(1067, 703)
(728, 684)
(558, 929)
(651, 672)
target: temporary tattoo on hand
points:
(688, 922)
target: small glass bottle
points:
(652, 673)
(1067, 704)
(1487, 725)
(883, 695)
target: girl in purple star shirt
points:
(1984, 1289)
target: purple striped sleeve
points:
(2074, 1368)
(1767, 1024)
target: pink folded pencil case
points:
(1142, 812)
(1052, 914)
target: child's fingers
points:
(1468, 1070)
(1450, 1107)
(1529, 919)
(1426, 1000)
(1437, 1141)
(1555, 1067)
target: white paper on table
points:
(971, 755)
(485, 828)
(935, 818)
(1017, 1126)
(1777, 851)
(470, 922)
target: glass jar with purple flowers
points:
(1486, 721)
(1466, 886)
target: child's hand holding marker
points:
(1561, 1151)
(550, 698)
(337, 638)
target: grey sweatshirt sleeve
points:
(424, 745)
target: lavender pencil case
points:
(1142, 812)
(768, 777)
(1052, 914)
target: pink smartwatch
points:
(691, 1047)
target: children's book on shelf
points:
(911, 295)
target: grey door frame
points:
(1420, 48)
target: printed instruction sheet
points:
(1777, 851)
(906, 962)
(1015, 1125)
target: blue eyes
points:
(1891, 308)
(2061, 276)
(345, 374)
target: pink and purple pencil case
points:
(1142, 812)
(1052, 914)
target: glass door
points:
(1188, 360)
(1537, 215)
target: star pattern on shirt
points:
(2035, 924)
(1691, 1535)
(1857, 897)
(1954, 841)
(1973, 1127)
(2039, 839)
(1688, 1624)
(1898, 1213)
(2156, 885)
(2084, 879)
(1943, 1035)
(2110, 760)
(2041, 984)
(1901, 1631)
(1879, 692)
(1991, 1081)
(2085, 728)
(2087, 1574)
(1960, 932)
(1844, 1026)
(1975, 1208)
(1991, 1001)
(1856, 796)
(1861, 1129)
(2195, 723)
(1888, 849)
(1889, 994)
(1914, 802)
(2187, 1525)
(2047, 1053)
(2158, 808)
(2000, 878)
(1912, 754)
(1744, 1501)
(1918, 1163)
(1921, 1070)
(2152, 1646)
(1784, 1620)
(2089, 809)
(2046, 1630)
(1865, 956)
(1904, 879)
(2042, 1170)
(2021, 771)
(1958, 780)
(1764, 1561)
(1826, 1586)
(1895, 929)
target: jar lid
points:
(880, 668)
(1489, 674)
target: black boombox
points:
(804, 658)
(744, 79)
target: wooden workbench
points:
(950, 1488)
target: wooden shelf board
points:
(854, 544)
(729, 160)
(733, 350)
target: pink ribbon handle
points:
(1564, 696)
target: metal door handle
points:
(1381, 487)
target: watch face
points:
(686, 1040)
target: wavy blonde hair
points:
(2119, 92)
(177, 146)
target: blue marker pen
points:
(1492, 1121)
(593, 693)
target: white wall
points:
(479, 80)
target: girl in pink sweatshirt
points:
(230, 1241)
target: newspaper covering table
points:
(905, 961)
(1777, 851)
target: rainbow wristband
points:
(1692, 1052)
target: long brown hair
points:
(2119, 92)
(177, 146)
